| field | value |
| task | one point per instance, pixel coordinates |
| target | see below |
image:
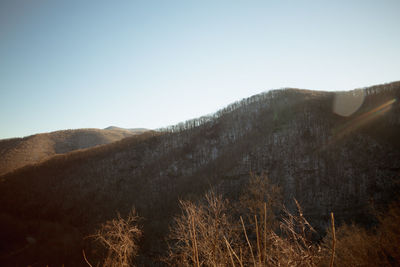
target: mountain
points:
(134, 130)
(18, 152)
(319, 147)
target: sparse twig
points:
(248, 242)
(265, 231)
(333, 240)
(234, 253)
(84, 256)
(258, 241)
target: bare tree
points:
(120, 237)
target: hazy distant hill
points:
(321, 148)
(127, 130)
(18, 152)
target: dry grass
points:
(202, 239)
(198, 237)
(379, 246)
(207, 235)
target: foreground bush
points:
(198, 235)
(208, 234)
(120, 237)
(256, 231)
(379, 246)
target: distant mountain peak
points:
(126, 129)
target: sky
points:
(149, 64)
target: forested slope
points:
(328, 162)
(18, 152)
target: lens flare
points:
(346, 103)
(361, 120)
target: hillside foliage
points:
(327, 162)
(19, 152)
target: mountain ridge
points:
(326, 161)
(18, 152)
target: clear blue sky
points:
(92, 64)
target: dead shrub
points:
(120, 237)
(198, 235)
(206, 234)
(379, 246)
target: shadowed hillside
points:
(318, 147)
(18, 152)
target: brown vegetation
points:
(376, 246)
(120, 237)
(289, 134)
(199, 234)
(206, 234)
(18, 152)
